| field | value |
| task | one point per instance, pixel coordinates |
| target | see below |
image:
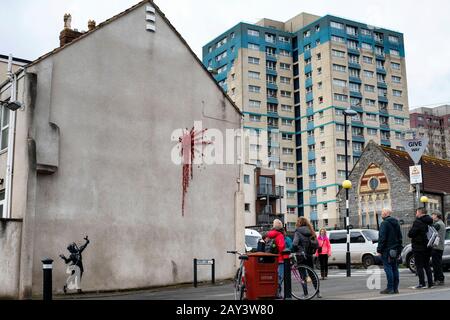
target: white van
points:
(363, 247)
(251, 239)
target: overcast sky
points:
(30, 28)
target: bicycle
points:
(239, 279)
(305, 282)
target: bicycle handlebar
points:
(235, 252)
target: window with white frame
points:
(336, 25)
(286, 94)
(285, 80)
(286, 108)
(254, 33)
(396, 79)
(253, 46)
(253, 60)
(338, 54)
(270, 38)
(287, 137)
(288, 166)
(339, 83)
(372, 132)
(285, 66)
(290, 180)
(254, 104)
(222, 69)
(337, 39)
(366, 32)
(369, 74)
(367, 60)
(285, 53)
(395, 65)
(288, 151)
(255, 118)
(399, 107)
(2, 202)
(352, 44)
(353, 31)
(397, 93)
(340, 97)
(286, 122)
(395, 52)
(339, 68)
(371, 117)
(254, 89)
(369, 88)
(399, 121)
(5, 113)
(366, 46)
(393, 39)
(221, 56)
(254, 75)
(370, 102)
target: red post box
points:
(261, 276)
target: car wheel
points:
(368, 260)
(411, 263)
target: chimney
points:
(67, 35)
(91, 25)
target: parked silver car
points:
(408, 257)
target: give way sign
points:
(416, 148)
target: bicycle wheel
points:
(239, 286)
(305, 282)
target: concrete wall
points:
(105, 110)
(10, 235)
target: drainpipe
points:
(11, 141)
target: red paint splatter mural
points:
(189, 142)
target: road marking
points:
(222, 295)
(422, 291)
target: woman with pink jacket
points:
(323, 252)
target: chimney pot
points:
(67, 35)
(91, 25)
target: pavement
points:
(362, 285)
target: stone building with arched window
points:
(380, 180)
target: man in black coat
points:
(389, 248)
(419, 244)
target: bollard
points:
(213, 271)
(47, 266)
(195, 273)
(287, 275)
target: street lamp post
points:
(347, 185)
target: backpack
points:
(312, 246)
(271, 246)
(433, 237)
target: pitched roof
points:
(436, 172)
(112, 19)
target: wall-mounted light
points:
(11, 105)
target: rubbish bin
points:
(261, 274)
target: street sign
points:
(205, 262)
(415, 174)
(416, 148)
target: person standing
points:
(419, 244)
(323, 252)
(277, 233)
(305, 244)
(389, 248)
(436, 253)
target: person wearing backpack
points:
(438, 250)
(305, 244)
(389, 248)
(275, 244)
(419, 244)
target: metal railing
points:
(270, 190)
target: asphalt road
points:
(362, 285)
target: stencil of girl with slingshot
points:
(75, 266)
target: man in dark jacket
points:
(419, 244)
(389, 248)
